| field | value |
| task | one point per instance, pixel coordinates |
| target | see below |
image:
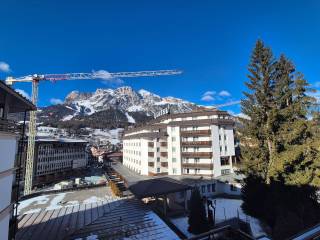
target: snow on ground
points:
(135, 108)
(54, 204)
(36, 210)
(92, 199)
(67, 118)
(36, 200)
(225, 209)
(130, 118)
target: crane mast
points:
(35, 79)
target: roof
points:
(157, 187)
(115, 154)
(310, 233)
(18, 102)
(123, 218)
(60, 140)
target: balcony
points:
(151, 164)
(150, 144)
(197, 144)
(198, 165)
(9, 126)
(164, 154)
(191, 133)
(150, 154)
(197, 154)
(164, 164)
(163, 144)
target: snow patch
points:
(130, 118)
(93, 199)
(67, 118)
(55, 202)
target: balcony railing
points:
(163, 144)
(164, 164)
(9, 126)
(198, 165)
(197, 154)
(197, 144)
(164, 154)
(195, 132)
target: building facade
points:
(57, 159)
(195, 143)
(10, 134)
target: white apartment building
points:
(195, 143)
(10, 133)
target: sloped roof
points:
(124, 218)
(157, 187)
(18, 102)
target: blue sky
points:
(210, 41)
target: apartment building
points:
(196, 143)
(10, 134)
(57, 159)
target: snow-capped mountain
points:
(124, 99)
(122, 105)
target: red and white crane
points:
(35, 79)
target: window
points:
(173, 149)
(174, 160)
(174, 170)
(196, 149)
(208, 188)
(194, 128)
(187, 170)
(220, 148)
(225, 137)
(158, 149)
(195, 139)
(197, 170)
(224, 161)
(158, 170)
(213, 187)
(233, 188)
(173, 139)
(197, 160)
(181, 194)
(158, 159)
(173, 129)
(203, 189)
(225, 171)
(225, 148)
(219, 137)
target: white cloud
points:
(229, 103)
(210, 93)
(23, 93)
(207, 98)
(56, 101)
(106, 77)
(224, 93)
(4, 67)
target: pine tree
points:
(255, 135)
(198, 222)
(280, 146)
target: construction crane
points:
(35, 79)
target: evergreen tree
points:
(198, 222)
(256, 148)
(280, 146)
